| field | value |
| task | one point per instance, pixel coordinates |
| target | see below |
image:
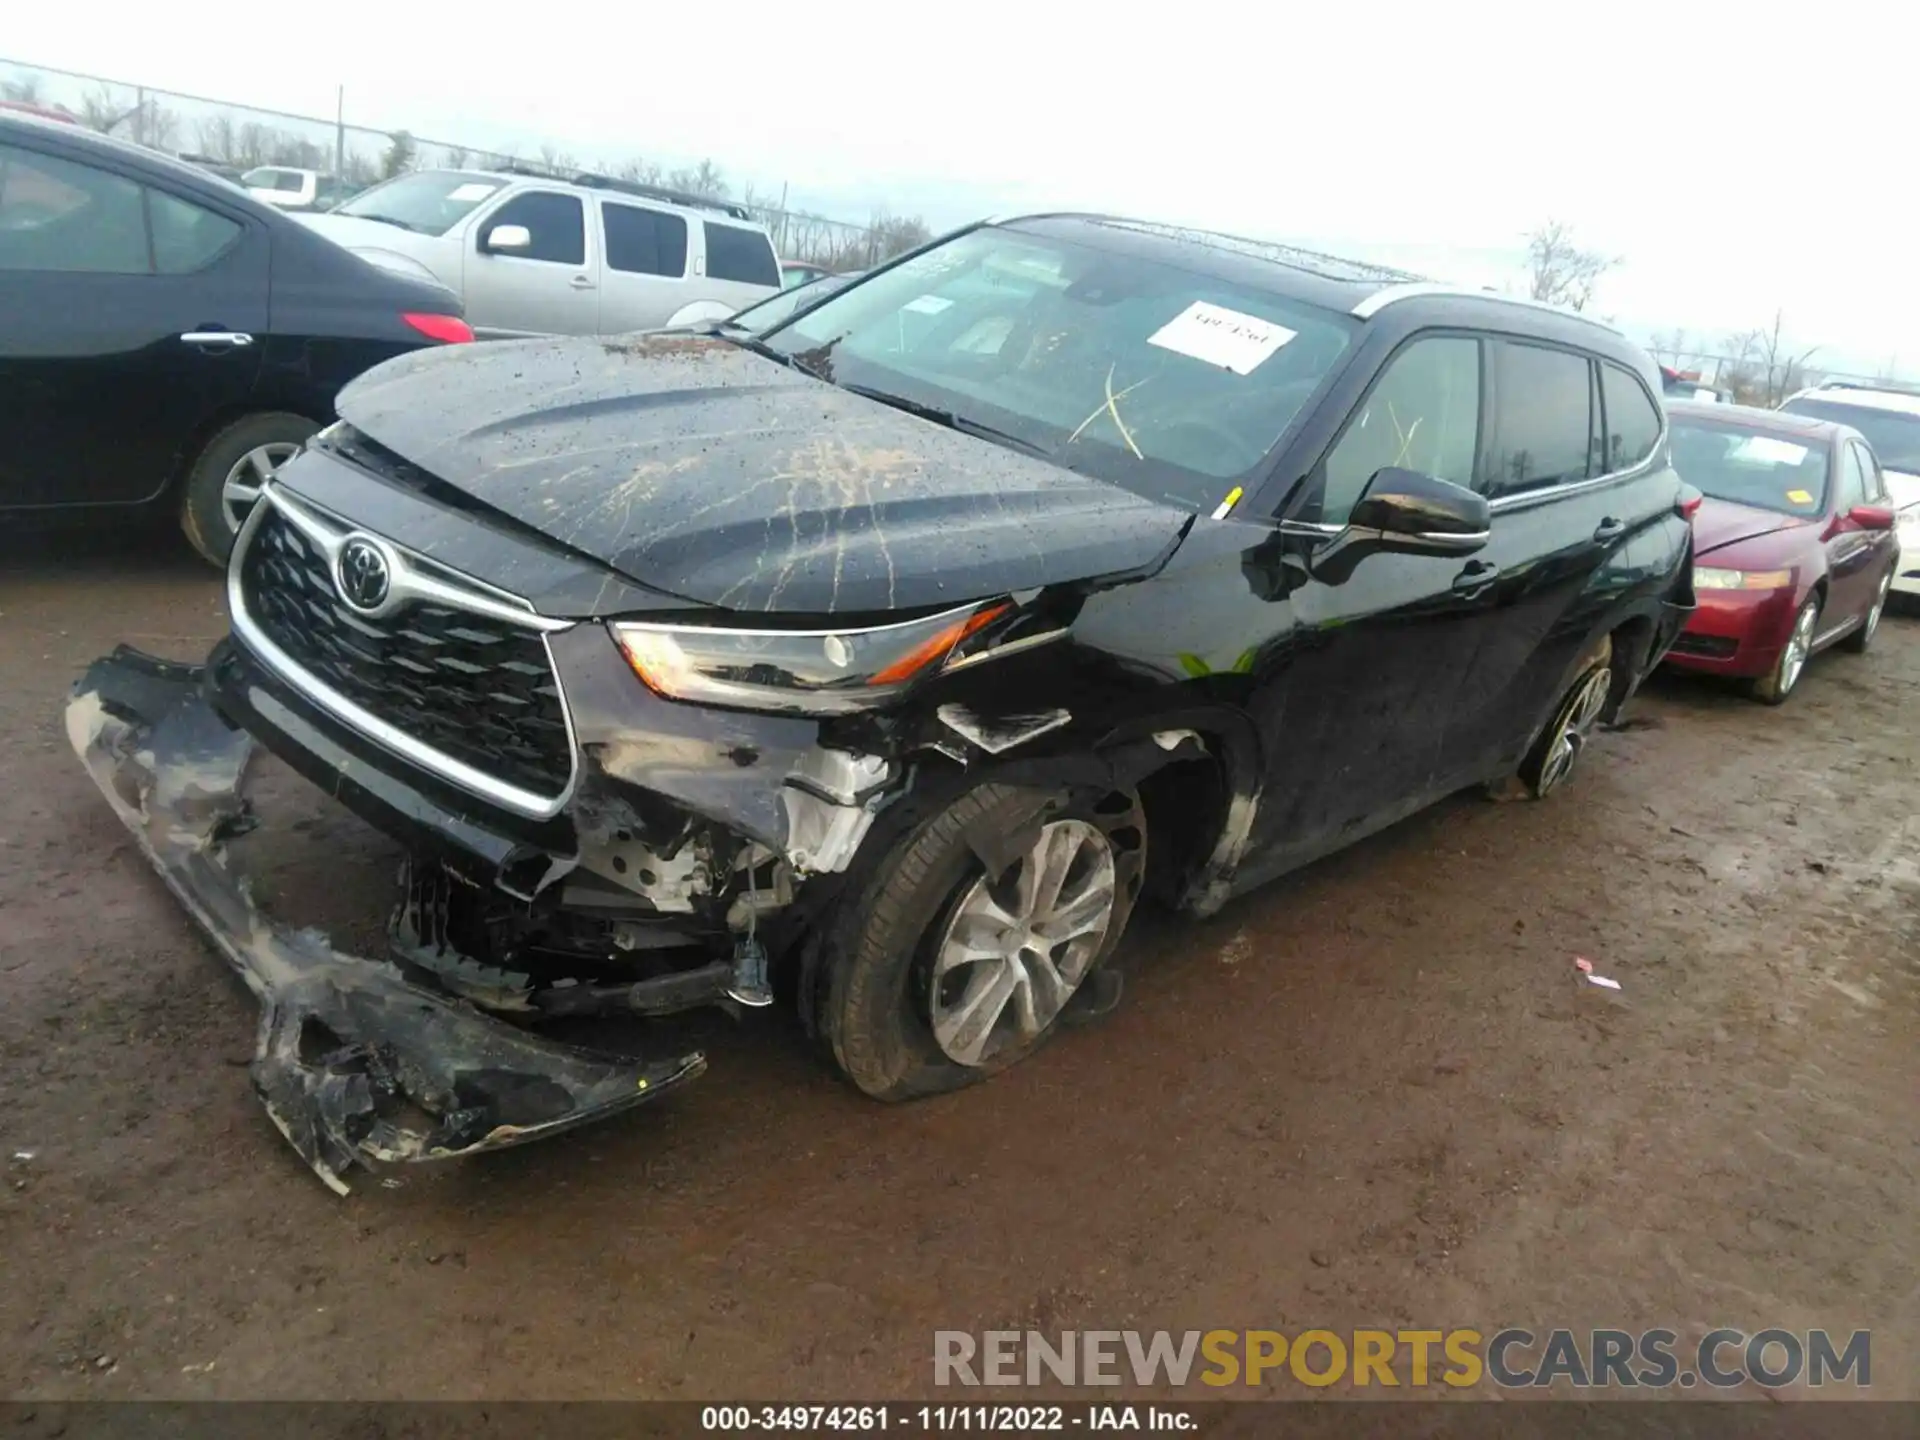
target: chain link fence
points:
(208, 130)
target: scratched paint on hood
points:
(711, 473)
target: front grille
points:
(1707, 647)
(473, 688)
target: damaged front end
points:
(354, 1062)
(611, 803)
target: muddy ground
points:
(1376, 1094)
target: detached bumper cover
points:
(349, 1050)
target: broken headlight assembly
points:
(810, 672)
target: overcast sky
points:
(1737, 160)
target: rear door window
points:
(56, 215)
(644, 242)
(734, 253)
(557, 224)
(1423, 414)
(1633, 424)
(1543, 432)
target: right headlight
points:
(812, 672)
(1708, 577)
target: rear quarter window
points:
(746, 256)
(1633, 424)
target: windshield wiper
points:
(951, 419)
(747, 340)
(379, 219)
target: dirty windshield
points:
(428, 202)
(1750, 467)
(1165, 380)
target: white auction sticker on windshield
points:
(1222, 337)
(477, 190)
(1768, 450)
(927, 305)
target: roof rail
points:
(1391, 294)
(1890, 387)
(660, 192)
(1278, 252)
(587, 180)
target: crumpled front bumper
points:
(351, 1055)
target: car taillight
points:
(1689, 502)
(447, 329)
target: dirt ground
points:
(1375, 1094)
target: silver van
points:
(532, 255)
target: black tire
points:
(876, 1006)
(203, 508)
(1778, 684)
(1556, 754)
(1862, 637)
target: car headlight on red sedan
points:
(1709, 577)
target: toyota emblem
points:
(363, 574)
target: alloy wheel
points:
(240, 492)
(1793, 660)
(1879, 604)
(1577, 719)
(1018, 945)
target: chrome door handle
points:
(581, 282)
(1610, 529)
(232, 339)
(1475, 578)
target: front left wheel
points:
(949, 967)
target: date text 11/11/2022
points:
(944, 1419)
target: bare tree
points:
(26, 88)
(637, 170)
(896, 234)
(1560, 272)
(1766, 368)
(1672, 344)
(100, 111)
(217, 138)
(401, 155)
(706, 179)
(560, 162)
(157, 126)
(254, 144)
(456, 157)
(296, 151)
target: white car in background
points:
(529, 254)
(286, 188)
(1890, 419)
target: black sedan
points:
(169, 341)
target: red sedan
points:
(1794, 546)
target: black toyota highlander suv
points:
(886, 659)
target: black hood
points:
(708, 472)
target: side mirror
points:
(506, 239)
(1872, 517)
(1419, 515)
(1403, 512)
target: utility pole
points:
(339, 131)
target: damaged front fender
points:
(350, 1055)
